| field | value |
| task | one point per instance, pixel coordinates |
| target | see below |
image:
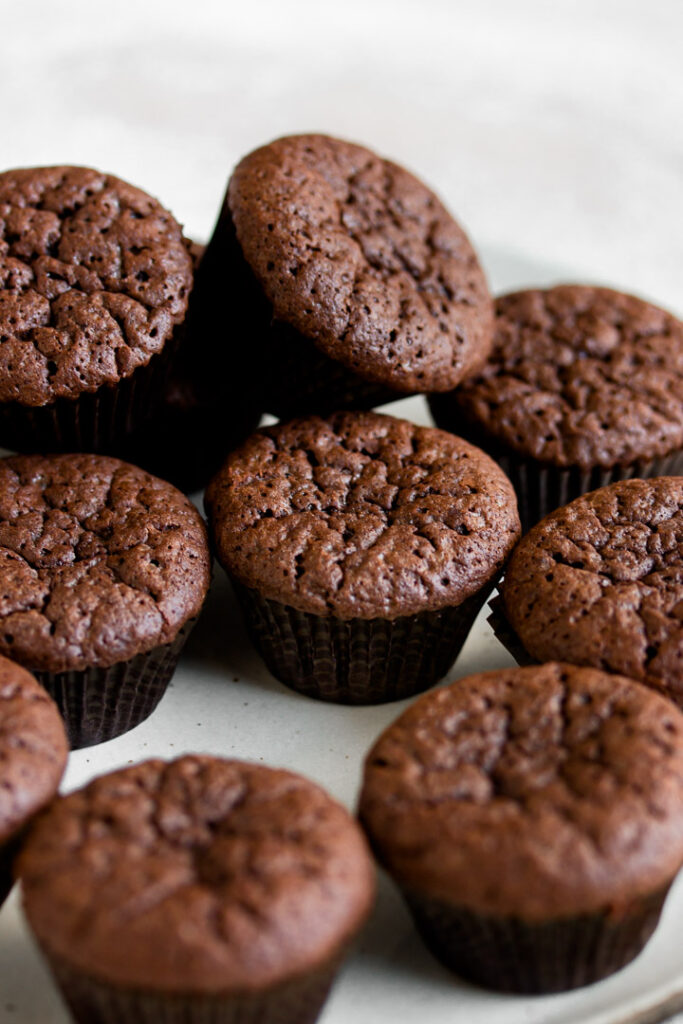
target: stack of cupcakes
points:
(531, 817)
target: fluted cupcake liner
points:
(357, 661)
(97, 421)
(506, 635)
(540, 488)
(98, 704)
(94, 1002)
(513, 955)
(7, 851)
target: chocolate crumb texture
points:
(530, 793)
(360, 515)
(196, 876)
(94, 277)
(579, 376)
(358, 256)
(600, 582)
(99, 561)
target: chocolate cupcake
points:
(584, 387)
(199, 891)
(202, 414)
(600, 582)
(350, 280)
(103, 569)
(533, 818)
(94, 277)
(33, 751)
(361, 548)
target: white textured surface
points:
(552, 129)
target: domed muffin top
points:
(600, 582)
(94, 276)
(199, 875)
(99, 561)
(360, 515)
(33, 748)
(580, 376)
(532, 792)
(359, 256)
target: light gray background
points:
(551, 128)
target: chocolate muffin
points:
(600, 582)
(33, 751)
(103, 569)
(351, 281)
(584, 387)
(533, 818)
(361, 548)
(199, 891)
(201, 416)
(94, 277)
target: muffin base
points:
(95, 1002)
(512, 955)
(98, 704)
(540, 488)
(97, 421)
(357, 661)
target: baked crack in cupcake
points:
(94, 277)
(533, 819)
(361, 548)
(200, 891)
(600, 582)
(33, 751)
(343, 278)
(584, 387)
(103, 569)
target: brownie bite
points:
(103, 569)
(200, 890)
(345, 276)
(94, 277)
(533, 819)
(33, 752)
(361, 548)
(600, 582)
(584, 387)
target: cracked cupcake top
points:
(33, 748)
(580, 376)
(201, 875)
(534, 792)
(600, 582)
(99, 561)
(361, 515)
(359, 256)
(94, 275)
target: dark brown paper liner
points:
(7, 851)
(97, 421)
(100, 703)
(513, 955)
(541, 489)
(95, 1002)
(506, 635)
(294, 376)
(357, 661)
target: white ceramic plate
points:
(222, 700)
